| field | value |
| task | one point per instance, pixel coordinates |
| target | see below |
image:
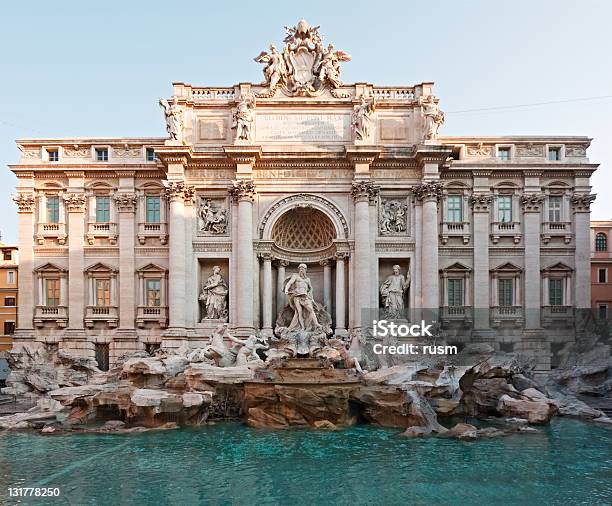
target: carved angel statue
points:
(329, 65)
(275, 71)
(243, 118)
(174, 118)
(362, 118)
(434, 117)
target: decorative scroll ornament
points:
(174, 120)
(243, 189)
(126, 202)
(532, 202)
(364, 190)
(25, 202)
(305, 67)
(75, 202)
(427, 191)
(242, 118)
(481, 202)
(361, 120)
(582, 203)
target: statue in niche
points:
(174, 119)
(362, 118)
(299, 293)
(393, 215)
(434, 117)
(243, 118)
(214, 217)
(392, 293)
(214, 295)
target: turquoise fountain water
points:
(567, 463)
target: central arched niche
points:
(303, 230)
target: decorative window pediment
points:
(456, 267)
(558, 268)
(152, 268)
(507, 267)
(49, 268)
(100, 268)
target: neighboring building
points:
(9, 262)
(601, 268)
(118, 236)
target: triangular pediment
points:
(49, 267)
(100, 267)
(152, 268)
(457, 266)
(507, 267)
(558, 267)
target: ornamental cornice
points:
(126, 202)
(74, 173)
(481, 202)
(125, 173)
(75, 202)
(357, 155)
(243, 155)
(25, 202)
(243, 189)
(364, 190)
(532, 173)
(532, 202)
(428, 191)
(481, 173)
(581, 203)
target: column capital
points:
(243, 189)
(282, 263)
(265, 256)
(126, 202)
(481, 202)
(532, 202)
(342, 255)
(25, 202)
(364, 190)
(177, 190)
(431, 190)
(75, 202)
(581, 203)
(324, 262)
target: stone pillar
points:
(267, 293)
(327, 285)
(340, 296)
(26, 203)
(244, 192)
(75, 205)
(362, 191)
(176, 290)
(481, 205)
(532, 204)
(281, 300)
(126, 205)
(429, 193)
(582, 274)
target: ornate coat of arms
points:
(305, 67)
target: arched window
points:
(601, 242)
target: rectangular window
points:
(53, 292)
(555, 292)
(9, 328)
(504, 209)
(53, 155)
(454, 209)
(9, 301)
(102, 292)
(505, 292)
(602, 275)
(150, 155)
(153, 210)
(554, 154)
(455, 292)
(503, 153)
(10, 277)
(7, 255)
(102, 209)
(102, 154)
(554, 208)
(602, 311)
(153, 292)
(53, 209)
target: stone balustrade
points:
(505, 229)
(108, 314)
(57, 314)
(154, 314)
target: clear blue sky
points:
(80, 68)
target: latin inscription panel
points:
(302, 128)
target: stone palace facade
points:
(127, 243)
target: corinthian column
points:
(429, 194)
(326, 284)
(75, 205)
(280, 293)
(363, 192)
(340, 295)
(243, 191)
(581, 208)
(481, 205)
(126, 204)
(267, 293)
(532, 203)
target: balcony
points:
(450, 314)
(108, 314)
(152, 314)
(557, 316)
(512, 315)
(105, 230)
(455, 229)
(51, 230)
(152, 230)
(505, 229)
(552, 229)
(57, 314)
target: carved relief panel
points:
(213, 215)
(393, 216)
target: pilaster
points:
(581, 210)
(531, 205)
(125, 202)
(481, 206)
